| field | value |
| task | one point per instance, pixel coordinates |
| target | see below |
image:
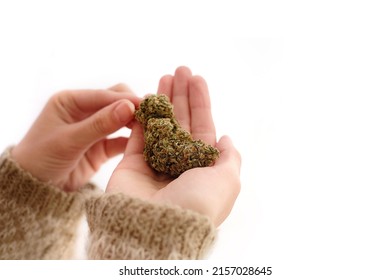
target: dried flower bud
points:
(169, 148)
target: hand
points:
(68, 142)
(209, 190)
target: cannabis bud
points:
(169, 148)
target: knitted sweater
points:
(39, 221)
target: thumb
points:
(103, 122)
(229, 157)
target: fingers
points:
(82, 103)
(191, 102)
(136, 141)
(180, 98)
(103, 123)
(202, 124)
(125, 89)
(120, 88)
(115, 146)
(165, 86)
(105, 149)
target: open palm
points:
(205, 190)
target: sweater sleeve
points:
(127, 228)
(37, 220)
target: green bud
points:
(169, 148)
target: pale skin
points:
(210, 191)
(68, 143)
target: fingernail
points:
(124, 111)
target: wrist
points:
(22, 158)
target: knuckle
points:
(57, 97)
(63, 93)
(99, 125)
(120, 87)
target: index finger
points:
(121, 87)
(89, 101)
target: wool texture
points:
(128, 228)
(39, 221)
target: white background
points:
(302, 88)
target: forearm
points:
(37, 221)
(126, 228)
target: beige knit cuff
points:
(37, 220)
(22, 188)
(127, 228)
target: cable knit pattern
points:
(127, 228)
(37, 220)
